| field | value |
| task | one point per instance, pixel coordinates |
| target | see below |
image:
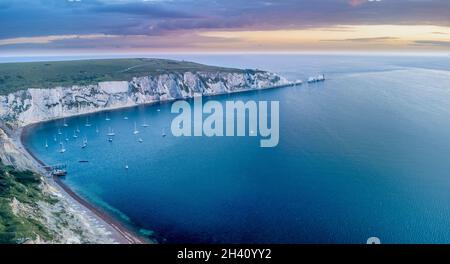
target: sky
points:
(139, 26)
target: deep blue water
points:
(366, 153)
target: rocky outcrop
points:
(36, 104)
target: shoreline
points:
(121, 233)
(165, 101)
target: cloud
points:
(50, 39)
(356, 2)
(432, 43)
(374, 39)
(147, 9)
(35, 20)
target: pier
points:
(56, 170)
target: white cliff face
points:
(35, 105)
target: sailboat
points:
(75, 134)
(96, 130)
(62, 149)
(84, 143)
(67, 138)
(54, 138)
(65, 124)
(145, 123)
(163, 133)
(87, 122)
(111, 133)
(135, 129)
(107, 118)
(59, 132)
(78, 130)
(126, 165)
(46, 144)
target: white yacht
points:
(111, 133)
(135, 129)
(84, 143)
(62, 149)
(145, 123)
(87, 122)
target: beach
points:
(118, 232)
(115, 230)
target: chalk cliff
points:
(39, 104)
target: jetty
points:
(56, 170)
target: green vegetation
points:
(24, 186)
(18, 76)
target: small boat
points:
(87, 122)
(107, 118)
(54, 138)
(96, 130)
(62, 149)
(84, 145)
(83, 161)
(59, 132)
(75, 134)
(135, 129)
(46, 144)
(65, 124)
(125, 117)
(111, 133)
(110, 139)
(158, 110)
(126, 165)
(67, 138)
(163, 133)
(140, 140)
(77, 130)
(145, 124)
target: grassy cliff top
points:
(18, 76)
(24, 187)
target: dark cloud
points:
(364, 39)
(432, 43)
(146, 9)
(27, 18)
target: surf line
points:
(229, 122)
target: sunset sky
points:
(133, 26)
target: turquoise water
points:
(366, 153)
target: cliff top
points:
(24, 75)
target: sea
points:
(364, 154)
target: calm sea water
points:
(366, 153)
